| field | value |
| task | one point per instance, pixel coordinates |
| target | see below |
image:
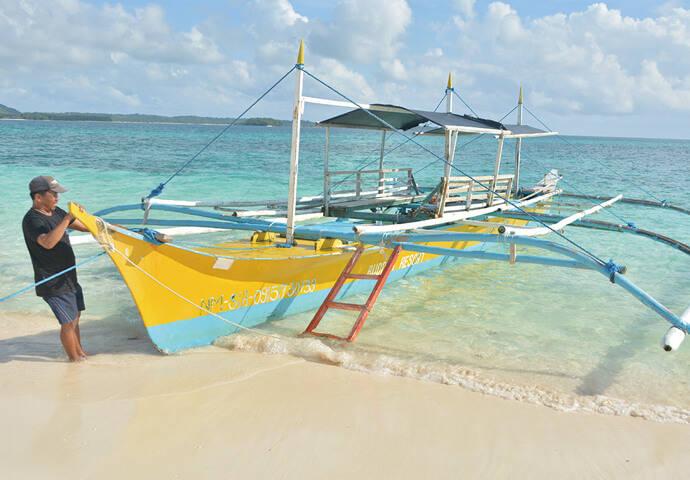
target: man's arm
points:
(50, 239)
(76, 224)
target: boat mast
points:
(451, 137)
(294, 151)
(518, 144)
(449, 94)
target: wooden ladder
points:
(365, 309)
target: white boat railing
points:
(452, 217)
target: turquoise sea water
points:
(558, 337)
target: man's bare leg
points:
(80, 350)
(70, 341)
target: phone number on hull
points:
(266, 294)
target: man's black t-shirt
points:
(48, 262)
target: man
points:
(45, 233)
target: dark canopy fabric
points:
(460, 121)
(404, 119)
(398, 117)
(524, 130)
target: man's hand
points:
(75, 224)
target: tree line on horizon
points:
(11, 113)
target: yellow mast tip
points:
(300, 55)
(450, 80)
(520, 100)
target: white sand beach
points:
(214, 413)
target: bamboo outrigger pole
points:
(294, 151)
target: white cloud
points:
(70, 33)
(118, 57)
(599, 59)
(395, 69)
(274, 15)
(363, 31)
(72, 55)
(335, 73)
(122, 98)
(466, 8)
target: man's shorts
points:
(67, 307)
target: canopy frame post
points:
(294, 150)
(326, 179)
(497, 167)
(451, 142)
(381, 174)
(518, 146)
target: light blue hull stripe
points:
(202, 330)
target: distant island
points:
(11, 113)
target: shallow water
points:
(566, 339)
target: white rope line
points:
(110, 247)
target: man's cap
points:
(44, 183)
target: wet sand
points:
(215, 413)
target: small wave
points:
(357, 359)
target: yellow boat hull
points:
(188, 298)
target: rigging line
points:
(220, 248)
(361, 167)
(457, 148)
(630, 224)
(50, 278)
(190, 302)
(401, 144)
(463, 101)
(504, 116)
(508, 201)
(463, 146)
(440, 102)
(599, 161)
(427, 123)
(159, 189)
(385, 154)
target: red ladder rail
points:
(365, 309)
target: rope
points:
(441, 101)
(362, 167)
(159, 189)
(385, 154)
(600, 162)
(572, 242)
(463, 101)
(50, 278)
(460, 147)
(612, 269)
(408, 140)
(220, 248)
(189, 301)
(107, 243)
(473, 139)
(547, 170)
(150, 235)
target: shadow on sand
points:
(104, 336)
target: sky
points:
(615, 68)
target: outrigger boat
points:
(368, 227)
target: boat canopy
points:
(403, 118)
